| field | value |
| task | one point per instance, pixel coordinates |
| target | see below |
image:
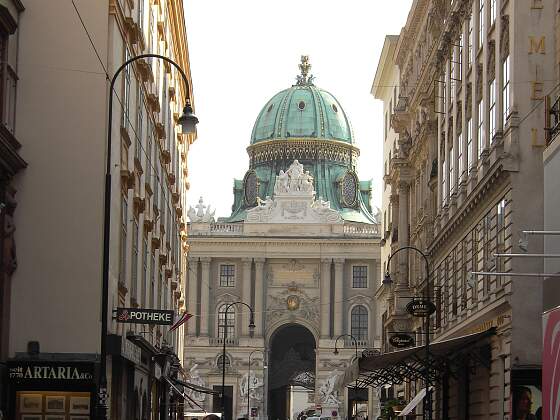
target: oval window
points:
(334, 108)
(301, 105)
(270, 108)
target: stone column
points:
(245, 297)
(259, 291)
(205, 296)
(193, 292)
(338, 294)
(403, 235)
(325, 297)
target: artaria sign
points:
(421, 307)
(145, 316)
(401, 340)
(37, 371)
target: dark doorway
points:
(292, 363)
(357, 403)
(217, 402)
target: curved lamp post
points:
(355, 347)
(387, 281)
(248, 381)
(188, 124)
(251, 329)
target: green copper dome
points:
(302, 111)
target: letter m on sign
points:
(536, 45)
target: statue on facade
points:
(199, 215)
(328, 393)
(252, 386)
(195, 379)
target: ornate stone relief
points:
(293, 202)
(292, 303)
(195, 379)
(328, 394)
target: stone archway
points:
(291, 369)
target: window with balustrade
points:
(226, 322)
(359, 322)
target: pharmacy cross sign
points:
(145, 316)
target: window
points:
(124, 212)
(492, 109)
(126, 96)
(227, 275)
(359, 322)
(460, 156)
(134, 271)
(153, 280)
(480, 23)
(451, 172)
(501, 211)
(139, 120)
(385, 125)
(492, 12)
(141, 13)
(469, 145)
(144, 270)
(443, 176)
(505, 91)
(481, 137)
(220, 362)
(470, 58)
(460, 58)
(8, 86)
(359, 276)
(226, 326)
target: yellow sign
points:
(486, 325)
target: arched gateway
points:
(291, 375)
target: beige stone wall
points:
(62, 119)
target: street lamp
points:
(249, 380)
(251, 330)
(387, 281)
(355, 348)
(188, 122)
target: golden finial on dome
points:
(304, 67)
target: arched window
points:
(226, 327)
(359, 322)
(219, 361)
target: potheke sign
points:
(145, 316)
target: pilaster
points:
(325, 297)
(205, 296)
(338, 295)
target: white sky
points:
(243, 52)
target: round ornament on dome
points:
(349, 189)
(251, 188)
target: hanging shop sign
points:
(145, 316)
(420, 307)
(370, 352)
(401, 340)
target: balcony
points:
(359, 229)
(362, 343)
(219, 341)
(554, 121)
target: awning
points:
(410, 364)
(414, 402)
(142, 343)
(197, 388)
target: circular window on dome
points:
(301, 105)
(270, 108)
(349, 189)
(334, 108)
(251, 188)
